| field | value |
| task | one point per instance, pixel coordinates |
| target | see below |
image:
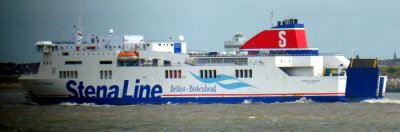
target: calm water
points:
(372, 115)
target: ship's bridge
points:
(45, 46)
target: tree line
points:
(14, 69)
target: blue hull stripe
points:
(226, 100)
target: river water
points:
(302, 115)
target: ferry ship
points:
(276, 65)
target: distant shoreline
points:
(9, 79)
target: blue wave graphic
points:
(220, 78)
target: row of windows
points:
(208, 73)
(222, 61)
(105, 62)
(46, 62)
(74, 47)
(80, 62)
(67, 54)
(68, 74)
(173, 74)
(166, 44)
(244, 73)
(105, 74)
(111, 46)
(73, 62)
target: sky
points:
(370, 27)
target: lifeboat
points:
(128, 55)
(91, 47)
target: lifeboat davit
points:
(128, 55)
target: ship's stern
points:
(364, 81)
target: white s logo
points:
(282, 41)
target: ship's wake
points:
(302, 100)
(299, 101)
(382, 101)
(81, 104)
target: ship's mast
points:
(79, 36)
(272, 16)
(62, 34)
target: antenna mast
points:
(79, 32)
(62, 35)
(272, 16)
